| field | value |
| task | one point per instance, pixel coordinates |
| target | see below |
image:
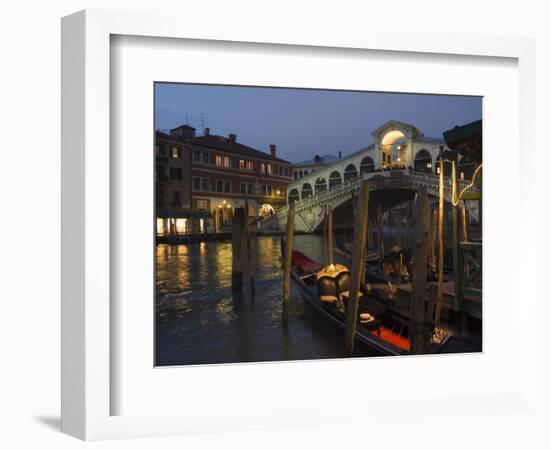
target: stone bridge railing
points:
(405, 179)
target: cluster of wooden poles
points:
(421, 322)
(242, 255)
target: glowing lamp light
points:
(429, 165)
(278, 192)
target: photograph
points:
(305, 224)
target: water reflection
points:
(199, 320)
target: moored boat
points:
(326, 291)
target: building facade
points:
(172, 183)
(200, 180)
(227, 174)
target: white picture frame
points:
(87, 386)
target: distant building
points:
(226, 173)
(309, 166)
(200, 180)
(172, 183)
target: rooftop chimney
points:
(273, 149)
(207, 131)
(232, 137)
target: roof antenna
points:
(202, 121)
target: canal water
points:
(200, 321)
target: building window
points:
(226, 162)
(175, 152)
(227, 186)
(175, 197)
(242, 164)
(250, 166)
(196, 156)
(206, 184)
(196, 184)
(269, 169)
(160, 197)
(262, 167)
(205, 158)
(243, 188)
(175, 173)
(249, 188)
(219, 186)
(218, 160)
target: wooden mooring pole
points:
(330, 243)
(458, 269)
(237, 238)
(249, 257)
(357, 265)
(325, 237)
(287, 261)
(433, 237)
(440, 256)
(419, 331)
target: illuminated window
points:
(226, 161)
(269, 169)
(175, 152)
(242, 164)
(250, 166)
(181, 225)
(218, 160)
(262, 168)
(160, 226)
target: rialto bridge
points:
(400, 161)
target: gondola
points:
(378, 327)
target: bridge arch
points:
(293, 196)
(320, 185)
(350, 172)
(335, 179)
(392, 146)
(307, 190)
(366, 165)
(423, 161)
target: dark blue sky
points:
(306, 122)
